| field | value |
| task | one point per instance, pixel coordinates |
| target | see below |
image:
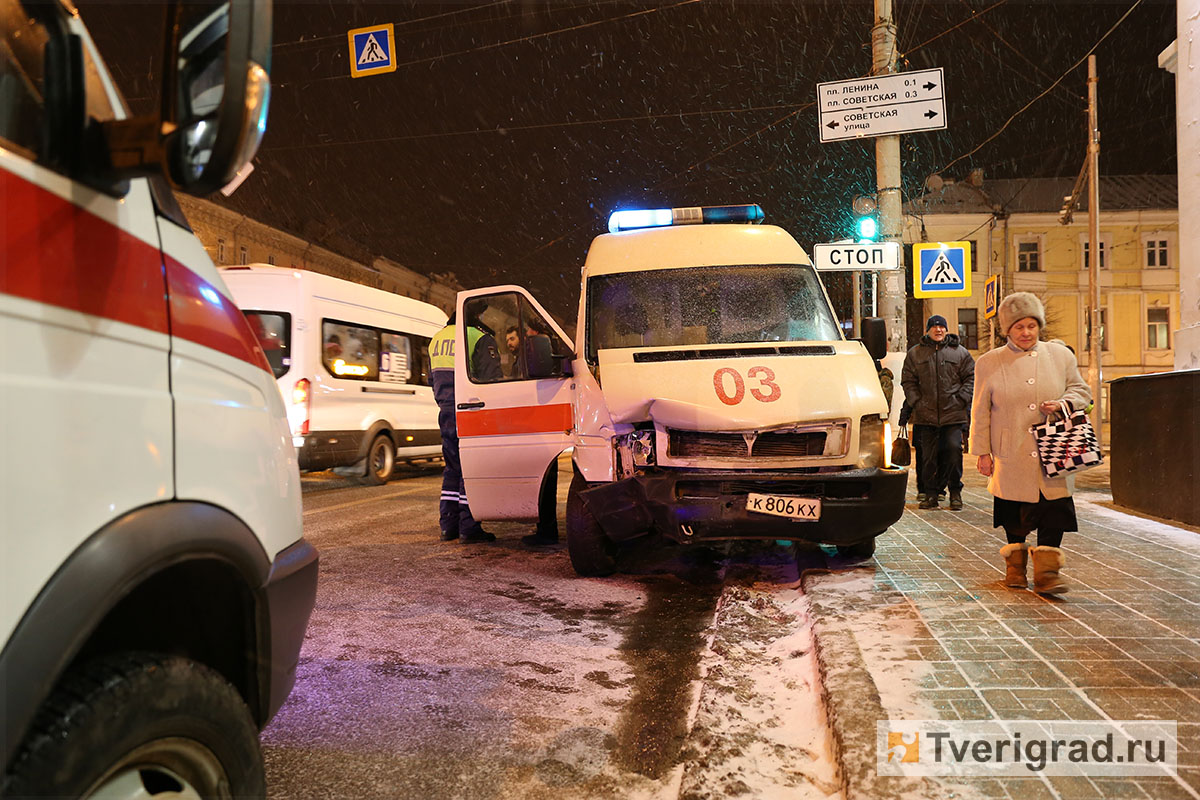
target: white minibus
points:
(352, 363)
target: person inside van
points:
(333, 346)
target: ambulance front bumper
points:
(701, 505)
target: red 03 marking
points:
(767, 391)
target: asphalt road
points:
(436, 669)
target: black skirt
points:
(1050, 515)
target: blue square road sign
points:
(371, 51)
(942, 269)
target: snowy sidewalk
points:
(928, 631)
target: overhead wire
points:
(341, 37)
(1048, 89)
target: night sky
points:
(510, 130)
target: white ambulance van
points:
(154, 584)
(710, 396)
(352, 364)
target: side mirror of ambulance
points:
(215, 95)
(874, 337)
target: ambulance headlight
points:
(872, 433)
(641, 446)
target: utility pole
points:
(887, 184)
(1094, 367)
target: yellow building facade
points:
(1016, 233)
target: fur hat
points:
(1018, 306)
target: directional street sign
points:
(371, 50)
(991, 291)
(903, 102)
(942, 269)
(868, 256)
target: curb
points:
(850, 697)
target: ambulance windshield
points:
(707, 305)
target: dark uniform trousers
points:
(454, 513)
(939, 451)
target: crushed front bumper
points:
(704, 505)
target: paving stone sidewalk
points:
(928, 631)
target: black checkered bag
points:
(1067, 445)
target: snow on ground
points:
(760, 727)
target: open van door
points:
(514, 394)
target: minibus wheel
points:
(134, 725)
(592, 552)
(381, 460)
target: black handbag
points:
(901, 449)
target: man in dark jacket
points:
(938, 380)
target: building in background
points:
(232, 238)
(1015, 232)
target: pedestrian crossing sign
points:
(371, 51)
(942, 269)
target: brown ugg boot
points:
(1016, 556)
(1047, 561)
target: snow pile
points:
(760, 729)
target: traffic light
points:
(866, 219)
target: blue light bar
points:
(633, 219)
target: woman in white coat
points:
(1016, 387)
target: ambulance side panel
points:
(227, 405)
(85, 402)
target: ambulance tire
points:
(381, 461)
(592, 553)
(139, 724)
(859, 551)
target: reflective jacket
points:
(938, 380)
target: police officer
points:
(455, 517)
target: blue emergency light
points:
(636, 218)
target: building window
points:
(1158, 322)
(220, 251)
(1086, 248)
(1103, 329)
(968, 328)
(1157, 253)
(243, 255)
(271, 259)
(1029, 255)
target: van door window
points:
(22, 44)
(521, 333)
(273, 330)
(22, 94)
(350, 351)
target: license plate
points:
(801, 508)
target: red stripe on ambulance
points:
(522, 419)
(57, 253)
(201, 314)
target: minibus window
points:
(349, 351)
(396, 362)
(273, 331)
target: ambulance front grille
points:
(790, 444)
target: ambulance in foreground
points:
(154, 584)
(710, 396)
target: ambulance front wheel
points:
(859, 550)
(381, 460)
(592, 552)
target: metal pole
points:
(1094, 366)
(856, 303)
(887, 183)
(991, 340)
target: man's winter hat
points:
(1018, 306)
(936, 319)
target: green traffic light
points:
(867, 228)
